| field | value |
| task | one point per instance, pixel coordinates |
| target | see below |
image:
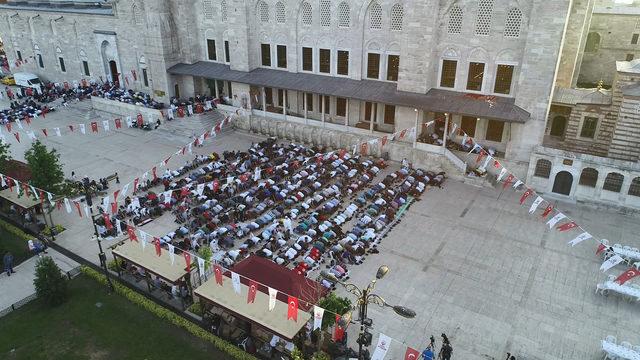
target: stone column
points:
(264, 103)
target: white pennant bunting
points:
(57, 131)
(19, 124)
(119, 227)
(200, 189)
(201, 266)
(318, 313)
(31, 135)
(172, 253)
(106, 203)
(167, 197)
(105, 125)
(4, 183)
(381, 349)
(143, 239)
(453, 129)
(535, 204)
(235, 281)
(145, 175)
(272, 298)
(87, 212)
(611, 262)
(129, 121)
(580, 238)
(517, 183)
(189, 148)
(554, 220)
(83, 130)
(503, 172)
(123, 192)
(67, 205)
(486, 162)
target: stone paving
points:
(469, 260)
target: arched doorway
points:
(563, 182)
(558, 126)
(113, 70)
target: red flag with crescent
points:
(496, 164)
(94, 126)
(568, 226)
(44, 131)
(338, 331)
(363, 148)
(107, 221)
(114, 207)
(139, 120)
(601, 248)
(411, 354)
(132, 233)
(118, 123)
(217, 271)
(481, 155)
(187, 260)
(547, 211)
(628, 275)
(17, 136)
(77, 204)
(253, 289)
(404, 131)
(525, 196)
(292, 309)
(155, 176)
(508, 181)
(156, 243)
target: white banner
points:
(167, 197)
(611, 262)
(318, 312)
(272, 298)
(67, 205)
(554, 220)
(580, 238)
(517, 183)
(503, 172)
(172, 253)
(381, 349)
(201, 266)
(235, 281)
(535, 204)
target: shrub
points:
(321, 355)
(196, 308)
(333, 304)
(50, 283)
(57, 228)
(115, 265)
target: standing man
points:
(8, 263)
(446, 349)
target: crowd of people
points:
(25, 109)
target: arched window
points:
(223, 10)
(613, 182)
(344, 15)
(513, 23)
(208, 9)
(307, 13)
(397, 16)
(137, 14)
(483, 20)
(375, 16)
(543, 168)
(263, 11)
(325, 13)
(588, 177)
(634, 188)
(593, 42)
(280, 12)
(455, 20)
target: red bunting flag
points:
(156, 243)
(627, 275)
(107, 221)
(184, 191)
(363, 148)
(342, 153)
(77, 204)
(384, 140)
(496, 164)
(601, 248)
(126, 80)
(44, 131)
(292, 309)
(135, 76)
(184, 148)
(27, 119)
(118, 123)
(216, 185)
(166, 161)
(217, 271)
(567, 226)
(525, 196)
(94, 126)
(17, 136)
(508, 181)
(481, 155)
(9, 127)
(402, 133)
(139, 120)
(44, 112)
(187, 259)
(338, 331)
(114, 207)
(411, 354)
(135, 184)
(155, 176)
(196, 142)
(253, 289)
(217, 128)
(547, 211)
(206, 135)
(115, 195)
(71, 128)
(132, 233)
(59, 204)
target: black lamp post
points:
(364, 298)
(101, 255)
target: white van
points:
(28, 80)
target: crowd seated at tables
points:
(303, 208)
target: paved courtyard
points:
(469, 260)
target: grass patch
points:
(16, 243)
(78, 329)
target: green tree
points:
(5, 156)
(46, 170)
(333, 304)
(51, 285)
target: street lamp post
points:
(364, 298)
(101, 255)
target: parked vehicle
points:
(28, 80)
(8, 80)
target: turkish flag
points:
(384, 140)
(411, 354)
(135, 184)
(107, 221)
(628, 275)
(547, 211)
(41, 197)
(292, 309)
(94, 126)
(17, 136)
(132, 233)
(115, 195)
(508, 181)
(118, 123)
(156, 242)
(166, 161)
(402, 133)
(216, 185)
(525, 196)
(153, 171)
(139, 120)
(338, 331)
(481, 155)
(9, 127)
(567, 226)
(218, 128)
(77, 204)
(253, 289)
(187, 259)
(114, 207)
(180, 112)
(44, 131)
(217, 271)
(601, 248)
(342, 153)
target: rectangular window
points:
(504, 76)
(629, 57)
(145, 77)
(494, 130)
(325, 61)
(373, 66)
(468, 125)
(62, 67)
(393, 64)
(341, 107)
(307, 59)
(389, 114)
(282, 56)
(448, 75)
(211, 50)
(227, 55)
(309, 101)
(634, 39)
(19, 55)
(266, 54)
(367, 111)
(476, 74)
(327, 104)
(589, 125)
(343, 62)
(268, 96)
(229, 90)
(85, 67)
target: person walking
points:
(446, 349)
(8, 263)
(427, 354)
(510, 357)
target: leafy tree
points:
(51, 285)
(333, 304)
(5, 156)
(320, 355)
(46, 170)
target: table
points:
(622, 289)
(619, 351)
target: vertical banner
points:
(235, 281)
(318, 312)
(381, 349)
(272, 298)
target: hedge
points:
(169, 316)
(15, 230)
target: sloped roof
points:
(631, 90)
(632, 66)
(571, 96)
